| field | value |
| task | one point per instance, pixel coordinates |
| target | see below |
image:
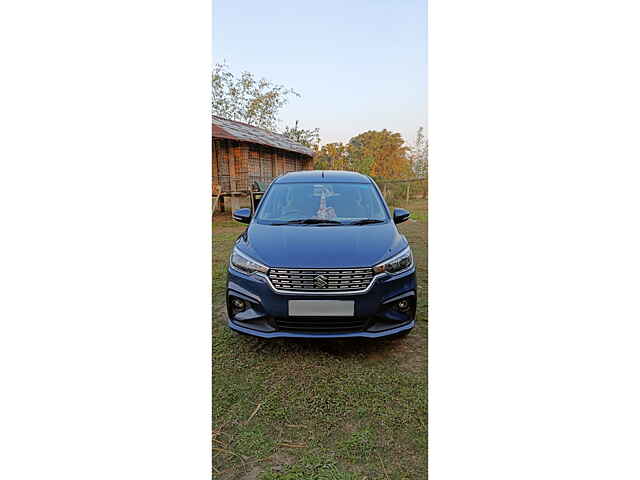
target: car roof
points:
(338, 176)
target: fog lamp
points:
(238, 304)
(403, 304)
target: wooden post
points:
(232, 169)
(216, 198)
(274, 166)
(235, 202)
(408, 185)
(385, 191)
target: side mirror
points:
(400, 215)
(242, 215)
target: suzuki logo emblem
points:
(320, 281)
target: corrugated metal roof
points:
(232, 130)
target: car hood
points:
(313, 246)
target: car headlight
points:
(246, 264)
(399, 263)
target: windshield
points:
(343, 203)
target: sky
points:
(358, 64)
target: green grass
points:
(310, 469)
(342, 410)
(358, 447)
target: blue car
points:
(321, 258)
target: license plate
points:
(321, 308)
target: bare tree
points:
(247, 99)
(418, 154)
(308, 138)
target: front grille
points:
(315, 280)
(321, 324)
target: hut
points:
(244, 155)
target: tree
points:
(418, 154)
(246, 99)
(308, 138)
(376, 153)
(333, 156)
(382, 153)
(361, 160)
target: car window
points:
(343, 202)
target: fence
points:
(395, 191)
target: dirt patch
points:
(410, 350)
(282, 459)
(253, 474)
(278, 462)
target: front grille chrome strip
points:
(342, 280)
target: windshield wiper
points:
(310, 221)
(365, 221)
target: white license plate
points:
(321, 308)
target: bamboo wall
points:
(236, 165)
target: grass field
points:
(350, 410)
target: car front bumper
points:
(376, 313)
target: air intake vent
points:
(326, 280)
(321, 325)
